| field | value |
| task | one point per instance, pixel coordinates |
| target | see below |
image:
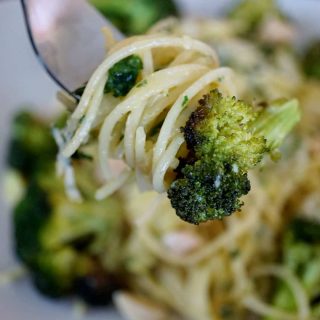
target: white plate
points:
(24, 83)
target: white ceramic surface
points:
(24, 83)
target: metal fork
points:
(66, 37)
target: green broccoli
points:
(207, 192)
(311, 61)
(53, 235)
(30, 215)
(123, 75)
(301, 254)
(53, 273)
(135, 16)
(250, 13)
(225, 139)
(31, 149)
(95, 286)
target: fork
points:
(66, 37)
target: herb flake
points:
(185, 101)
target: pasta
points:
(219, 271)
(191, 69)
(216, 278)
(114, 235)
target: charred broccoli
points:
(301, 254)
(225, 138)
(62, 243)
(135, 16)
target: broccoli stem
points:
(276, 121)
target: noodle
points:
(91, 96)
(297, 290)
(186, 77)
(177, 71)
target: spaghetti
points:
(177, 72)
(216, 277)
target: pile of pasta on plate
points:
(185, 183)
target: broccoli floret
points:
(123, 75)
(225, 139)
(53, 272)
(85, 226)
(251, 13)
(49, 270)
(222, 128)
(135, 16)
(301, 254)
(30, 216)
(32, 148)
(52, 235)
(311, 61)
(208, 192)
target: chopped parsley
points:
(123, 75)
(185, 101)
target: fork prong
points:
(66, 37)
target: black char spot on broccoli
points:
(50, 271)
(96, 287)
(135, 16)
